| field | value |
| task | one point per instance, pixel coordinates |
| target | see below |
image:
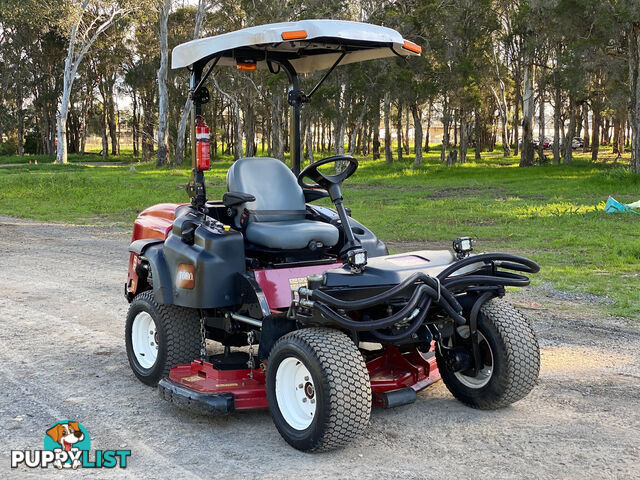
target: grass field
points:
(554, 214)
(125, 156)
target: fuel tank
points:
(202, 261)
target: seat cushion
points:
(292, 234)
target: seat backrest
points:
(278, 195)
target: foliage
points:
(502, 206)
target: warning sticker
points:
(296, 283)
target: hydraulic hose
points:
(504, 279)
(386, 295)
(526, 265)
(427, 291)
(413, 327)
(375, 324)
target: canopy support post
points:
(196, 187)
(295, 98)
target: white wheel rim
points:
(485, 374)
(144, 340)
(295, 393)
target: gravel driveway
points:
(62, 357)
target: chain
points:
(203, 340)
(251, 363)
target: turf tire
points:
(178, 331)
(342, 388)
(516, 359)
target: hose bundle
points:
(428, 290)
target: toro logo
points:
(67, 445)
(186, 276)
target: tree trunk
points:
(134, 122)
(568, 142)
(163, 94)
(388, 155)
(399, 130)
(111, 115)
(541, 121)
(615, 144)
(416, 112)
(405, 137)
(276, 127)
(20, 119)
(61, 135)
(556, 124)
(456, 120)
(463, 135)
(339, 124)
(516, 113)
(526, 157)
(309, 138)
(356, 129)
(446, 118)
(478, 137)
(595, 132)
(428, 134)
(585, 128)
(634, 94)
(250, 130)
(375, 126)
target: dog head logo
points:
(186, 276)
(67, 439)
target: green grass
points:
(125, 156)
(554, 214)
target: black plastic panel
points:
(217, 256)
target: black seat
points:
(276, 219)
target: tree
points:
(163, 96)
(88, 23)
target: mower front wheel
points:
(318, 389)
(510, 355)
(159, 337)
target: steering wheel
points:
(326, 181)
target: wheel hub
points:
(145, 339)
(484, 375)
(308, 390)
(295, 393)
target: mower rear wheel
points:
(510, 354)
(318, 389)
(159, 337)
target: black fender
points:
(161, 277)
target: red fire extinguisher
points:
(202, 144)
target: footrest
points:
(207, 403)
(395, 398)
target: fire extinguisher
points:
(202, 144)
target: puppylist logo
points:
(67, 445)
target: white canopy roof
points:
(308, 44)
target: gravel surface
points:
(62, 356)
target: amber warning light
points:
(412, 47)
(247, 65)
(294, 35)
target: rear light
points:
(248, 65)
(412, 47)
(294, 35)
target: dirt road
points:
(62, 357)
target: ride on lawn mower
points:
(333, 323)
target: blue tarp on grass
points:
(614, 206)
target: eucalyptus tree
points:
(87, 21)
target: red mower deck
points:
(395, 378)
